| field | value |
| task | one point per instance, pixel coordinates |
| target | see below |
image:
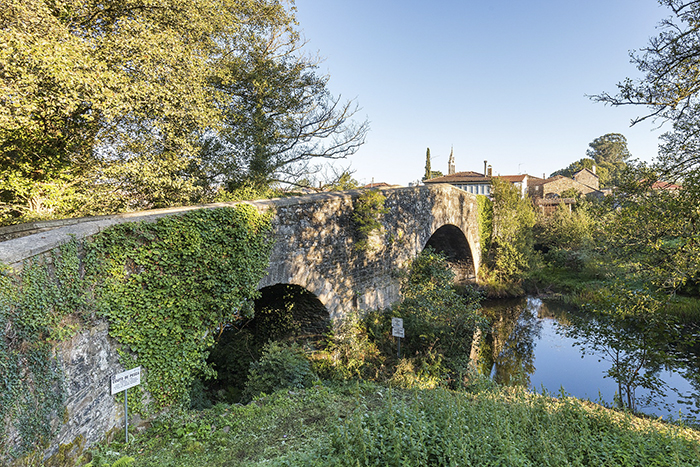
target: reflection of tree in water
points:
(638, 347)
(511, 343)
(687, 354)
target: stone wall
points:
(560, 184)
(588, 178)
(88, 361)
(315, 241)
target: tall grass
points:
(363, 424)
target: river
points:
(548, 346)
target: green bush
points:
(435, 316)
(350, 353)
(367, 212)
(281, 366)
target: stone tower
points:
(451, 163)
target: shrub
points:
(281, 366)
(367, 212)
(435, 315)
(350, 353)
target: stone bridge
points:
(315, 241)
(314, 249)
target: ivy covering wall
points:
(165, 289)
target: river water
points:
(548, 346)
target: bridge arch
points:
(451, 241)
(289, 311)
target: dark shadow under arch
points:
(284, 312)
(451, 241)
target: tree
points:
(511, 242)
(660, 228)
(104, 106)
(611, 154)
(670, 86)
(278, 113)
(428, 169)
(341, 182)
(608, 153)
(656, 230)
(104, 97)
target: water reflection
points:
(653, 367)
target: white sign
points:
(397, 322)
(126, 380)
(397, 332)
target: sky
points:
(502, 81)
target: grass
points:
(364, 424)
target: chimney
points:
(485, 164)
(490, 171)
(594, 170)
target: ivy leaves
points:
(166, 286)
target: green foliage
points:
(567, 238)
(113, 106)
(436, 317)
(101, 95)
(166, 286)
(609, 155)
(342, 183)
(350, 351)
(36, 307)
(440, 428)
(368, 210)
(278, 114)
(365, 424)
(510, 249)
(656, 232)
(246, 191)
(428, 170)
(281, 366)
(485, 223)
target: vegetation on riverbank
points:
(366, 424)
(354, 402)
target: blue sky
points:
(500, 81)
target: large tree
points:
(670, 86)
(104, 105)
(104, 97)
(608, 153)
(279, 116)
(660, 228)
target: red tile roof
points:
(513, 178)
(665, 186)
(460, 177)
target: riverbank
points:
(361, 423)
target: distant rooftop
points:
(460, 177)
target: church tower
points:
(451, 162)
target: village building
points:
(584, 181)
(472, 182)
(544, 192)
